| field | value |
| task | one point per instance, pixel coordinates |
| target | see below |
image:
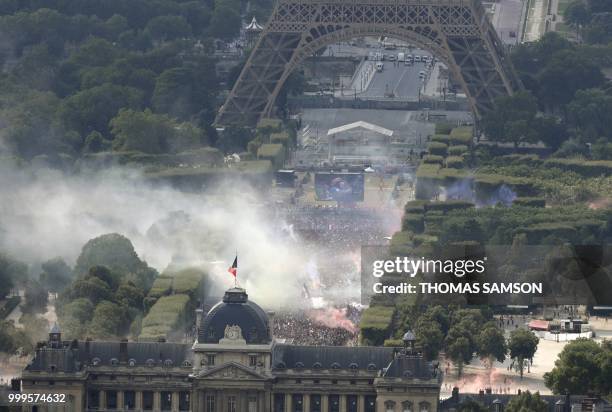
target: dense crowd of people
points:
(343, 228)
(301, 329)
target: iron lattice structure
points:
(456, 31)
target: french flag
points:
(234, 268)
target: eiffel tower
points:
(457, 32)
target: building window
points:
(389, 406)
(279, 402)
(315, 403)
(252, 407)
(298, 405)
(231, 404)
(252, 361)
(351, 403)
(111, 399)
(210, 403)
(406, 406)
(93, 400)
(370, 403)
(184, 401)
(166, 401)
(210, 359)
(129, 400)
(424, 407)
(147, 400)
(334, 403)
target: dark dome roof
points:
(235, 309)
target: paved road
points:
(507, 20)
(401, 80)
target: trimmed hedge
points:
(415, 206)
(536, 233)
(401, 243)
(441, 138)
(590, 168)
(485, 184)
(280, 138)
(443, 128)
(433, 159)
(272, 152)
(463, 135)
(168, 314)
(376, 324)
(529, 202)
(457, 150)
(269, 125)
(437, 148)
(447, 206)
(427, 180)
(413, 223)
(454, 162)
(188, 281)
(161, 287)
(427, 170)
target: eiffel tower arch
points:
(457, 32)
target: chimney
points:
(123, 351)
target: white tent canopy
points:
(362, 124)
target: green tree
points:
(131, 295)
(460, 352)
(591, 113)
(56, 274)
(564, 74)
(522, 345)
(111, 250)
(583, 366)
(577, 14)
(105, 275)
(80, 309)
(92, 109)
(166, 28)
(527, 402)
(225, 23)
(512, 119)
(491, 344)
(109, 320)
(429, 337)
(153, 133)
(36, 297)
(92, 288)
(184, 91)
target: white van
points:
(380, 66)
(401, 57)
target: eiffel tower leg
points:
(259, 79)
(456, 31)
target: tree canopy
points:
(583, 366)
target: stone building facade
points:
(234, 365)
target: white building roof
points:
(254, 25)
(362, 124)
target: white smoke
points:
(44, 214)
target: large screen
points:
(341, 187)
